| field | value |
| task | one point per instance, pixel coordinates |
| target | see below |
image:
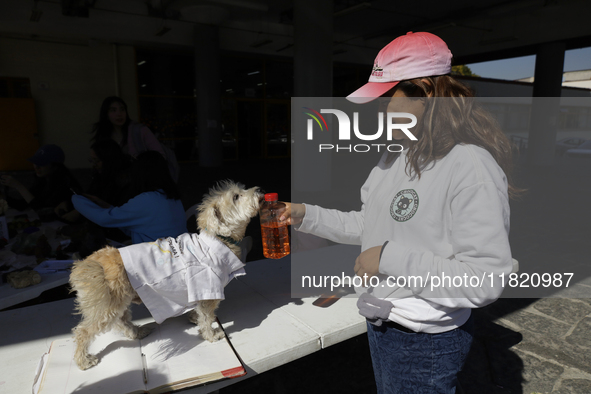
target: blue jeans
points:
(418, 363)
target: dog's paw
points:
(212, 335)
(218, 334)
(193, 317)
(143, 332)
(137, 332)
(86, 362)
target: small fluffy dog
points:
(109, 280)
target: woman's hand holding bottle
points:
(294, 213)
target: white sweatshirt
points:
(453, 221)
(171, 275)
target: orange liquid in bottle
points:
(275, 240)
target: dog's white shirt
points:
(171, 275)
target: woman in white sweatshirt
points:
(439, 210)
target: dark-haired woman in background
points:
(155, 210)
(115, 124)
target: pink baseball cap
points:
(414, 55)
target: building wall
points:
(586, 84)
(510, 102)
(498, 88)
(68, 84)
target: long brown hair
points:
(459, 120)
(103, 128)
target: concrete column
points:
(313, 42)
(126, 78)
(162, 79)
(207, 88)
(313, 39)
(546, 104)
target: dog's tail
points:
(101, 284)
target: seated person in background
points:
(115, 124)
(134, 138)
(155, 210)
(53, 185)
(110, 182)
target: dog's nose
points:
(260, 190)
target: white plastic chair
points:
(192, 211)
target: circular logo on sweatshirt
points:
(404, 205)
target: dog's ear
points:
(221, 225)
(211, 218)
(207, 217)
(217, 213)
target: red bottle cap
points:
(271, 197)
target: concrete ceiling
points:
(474, 30)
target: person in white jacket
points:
(438, 211)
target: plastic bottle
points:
(275, 234)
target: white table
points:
(266, 326)
(334, 324)
(10, 296)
